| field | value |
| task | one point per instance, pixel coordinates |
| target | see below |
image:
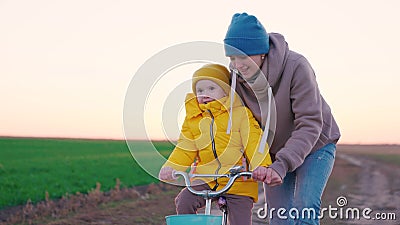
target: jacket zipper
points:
(214, 149)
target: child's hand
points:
(166, 173)
(259, 173)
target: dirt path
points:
(377, 187)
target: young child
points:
(215, 142)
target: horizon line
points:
(157, 140)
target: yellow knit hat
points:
(215, 72)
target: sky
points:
(66, 66)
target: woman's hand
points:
(166, 173)
(272, 178)
(267, 175)
(259, 173)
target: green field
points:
(391, 159)
(31, 166)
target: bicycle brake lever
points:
(235, 170)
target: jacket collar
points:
(193, 108)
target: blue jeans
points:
(298, 199)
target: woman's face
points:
(247, 65)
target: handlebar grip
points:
(209, 193)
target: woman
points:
(303, 149)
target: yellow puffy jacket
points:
(195, 143)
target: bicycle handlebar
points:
(209, 193)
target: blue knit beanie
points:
(247, 34)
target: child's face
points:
(207, 91)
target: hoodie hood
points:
(276, 59)
(272, 69)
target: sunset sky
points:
(65, 66)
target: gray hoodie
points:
(304, 120)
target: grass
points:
(31, 167)
(388, 154)
(390, 159)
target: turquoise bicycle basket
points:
(194, 219)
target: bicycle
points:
(208, 195)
